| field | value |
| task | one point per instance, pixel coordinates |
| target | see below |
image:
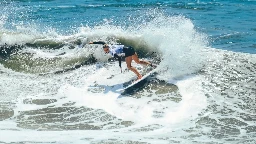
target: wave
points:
(171, 41)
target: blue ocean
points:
(55, 87)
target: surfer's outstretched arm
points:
(99, 42)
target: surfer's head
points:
(106, 48)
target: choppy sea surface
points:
(56, 88)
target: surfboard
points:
(138, 81)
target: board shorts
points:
(129, 51)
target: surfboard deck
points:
(137, 81)
(132, 84)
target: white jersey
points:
(116, 49)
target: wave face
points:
(54, 84)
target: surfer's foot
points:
(152, 65)
(139, 77)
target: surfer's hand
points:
(90, 42)
(121, 70)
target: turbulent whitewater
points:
(56, 88)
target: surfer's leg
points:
(138, 61)
(128, 61)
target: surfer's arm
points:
(99, 42)
(119, 60)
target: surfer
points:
(117, 51)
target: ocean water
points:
(56, 88)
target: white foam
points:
(137, 110)
(193, 100)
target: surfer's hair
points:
(105, 46)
